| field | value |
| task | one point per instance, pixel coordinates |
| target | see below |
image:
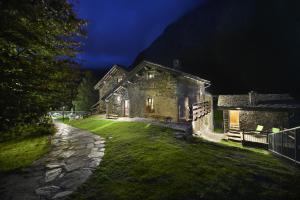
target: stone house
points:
(245, 112)
(112, 78)
(155, 91)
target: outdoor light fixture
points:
(118, 98)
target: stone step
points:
(234, 135)
(236, 139)
(234, 130)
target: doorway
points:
(126, 108)
(234, 119)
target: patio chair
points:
(275, 130)
(259, 129)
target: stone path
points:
(73, 157)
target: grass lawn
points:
(20, 153)
(146, 162)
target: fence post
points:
(295, 145)
(243, 132)
(282, 142)
(268, 139)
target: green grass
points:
(20, 153)
(146, 162)
(218, 121)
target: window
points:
(150, 75)
(119, 79)
(149, 104)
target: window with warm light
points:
(150, 75)
(149, 104)
(119, 79)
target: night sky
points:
(119, 30)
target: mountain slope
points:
(238, 45)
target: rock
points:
(73, 179)
(47, 191)
(97, 137)
(98, 142)
(52, 174)
(94, 149)
(52, 165)
(67, 154)
(82, 152)
(62, 194)
(90, 145)
(74, 165)
(79, 147)
(96, 154)
(99, 145)
(94, 163)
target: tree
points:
(38, 39)
(86, 96)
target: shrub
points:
(44, 127)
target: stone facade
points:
(107, 83)
(250, 119)
(161, 89)
(154, 91)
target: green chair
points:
(275, 130)
(259, 129)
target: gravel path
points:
(73, 157)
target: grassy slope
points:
(21, 153)
(146, 162)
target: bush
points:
(28, 130)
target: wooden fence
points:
(201, 109)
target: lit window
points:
(118, 98)
(119, 79)
(150, 103)
(150, 75)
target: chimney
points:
(252, 98)
(176, 64)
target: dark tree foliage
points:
(86, 96)
(38, 39)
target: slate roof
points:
(113, 69)
(261, 102)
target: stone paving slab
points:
(75, 154)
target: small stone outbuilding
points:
(245, 112)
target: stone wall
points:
(188, 92)
(107, 86)
(161, 88)
(250, 119)
(115, 103)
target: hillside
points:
(238, 45)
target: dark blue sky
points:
(119, 30)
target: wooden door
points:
(126, 108)
(234, 119)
